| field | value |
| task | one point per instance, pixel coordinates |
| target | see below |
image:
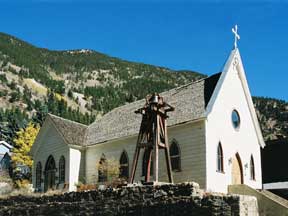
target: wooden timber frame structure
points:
(153, 137)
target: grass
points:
(35, 86)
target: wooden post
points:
(153, 137)
(134, 165)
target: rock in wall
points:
(168, 199)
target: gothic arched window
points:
(145, 161)
(50, 174)
(175, 156)
(220, 166)
(252, 168)
(38, 175)
(62, 170)
(124, 165)
(102, 169)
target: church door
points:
(50, 171)
(237, 171)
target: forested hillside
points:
(79, 85)
(273, 117)
(82, 85)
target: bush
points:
(14, 96)
(84, 187)
(3, 93)
(3, 78)
(6, 185)
(109, 167)
(4, 177)
(22, 184)
(5, 188)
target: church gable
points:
(233, 80)
(72, 132)
(231, 124)
(48, 139)
(50, 145)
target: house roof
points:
(189, 100)
(6, 144)
(72, 132)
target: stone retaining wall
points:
(179, 199)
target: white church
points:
(214, 137)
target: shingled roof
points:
(73, 132)
(190, 103)
(189, 100)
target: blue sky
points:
(176, 34)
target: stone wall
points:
(179, 199)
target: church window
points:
(175, 156)
(220, 166)
(62, 170)
(38, 175)
(252, 168)
(145, 161)
(124, 166)
(102, 169)
(235, 119)
(50, 174)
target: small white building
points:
(214, 134)
(5, 153)
(4, 148)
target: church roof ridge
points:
(2, 142)
(189, 100)
(64, 119)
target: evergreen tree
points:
(40, 115)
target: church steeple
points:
(236, 36)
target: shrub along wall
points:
(178, 199)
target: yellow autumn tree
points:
(23, 143)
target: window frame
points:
(62, 164)
(38, 175)
(252, 169)
(125, 165)
(220, 158)
(236, 127)
(176, 157)
(103, 177)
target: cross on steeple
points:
(236, 36)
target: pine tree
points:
(51, 102)
(40, 115)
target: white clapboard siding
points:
(112, 150)
(53, 145)
(191, 139)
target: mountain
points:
(106, 82)
(82, 85)
(273, 117)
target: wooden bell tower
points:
(153, 137)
